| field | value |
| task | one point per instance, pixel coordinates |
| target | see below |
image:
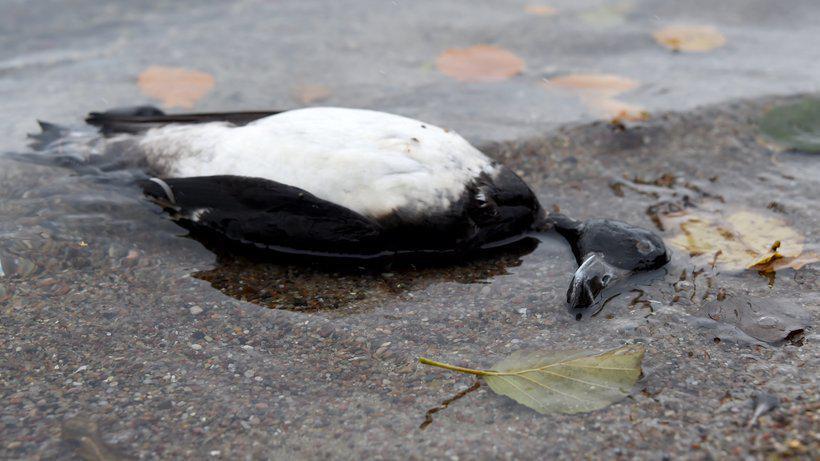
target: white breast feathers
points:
(371, 162)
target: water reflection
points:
(300, 285)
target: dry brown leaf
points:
(307, 94)
(541, 10)
(689, 38)
(744, 240)
(175, 86)
(479, 63)
(795, 263)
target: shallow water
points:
(84, 258)
(58, 222)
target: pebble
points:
(195, 310)
(196, 347)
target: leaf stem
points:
(446, 366)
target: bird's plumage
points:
(351, 183)
(370, 162)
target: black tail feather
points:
(49, 132)
(141, 118)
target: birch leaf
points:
(175, 86)
(598, 92)
(479, 63)
(308, 94)
(691, 39)
(743, 240)
(563, 382)
(608, 15)
(541, 10)
(601, 84)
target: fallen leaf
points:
(797, 262)
(615, 110)
(758, 232)
(564, 382)
(743, 240)
(608, 15)
(794, 126)
(598, 91)
(541, 10)
(479, 63)
(308, 94)
(689, 38)
(601, 84)
(766, 261)
(175, 86)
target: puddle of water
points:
(99, 222)
(765, 319)
(326, 285)
(83, 436)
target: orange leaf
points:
(598, 91)
(479, 63)
(603, 84)
(311, 93)
(617, 111)
(541, 10)
(689, 38)
(175, 86)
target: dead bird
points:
(352, 183)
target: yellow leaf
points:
(608, 15)
(689, 38)
(743, 240)
(617, 111)
(479, 63)
(601, 84)
(564, 382)
(307, 94)
(597, 93)
(175, 86)
(758, 232)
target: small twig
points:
(428, 417)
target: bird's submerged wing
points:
(267, 214)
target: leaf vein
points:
(512, 383)
(552, 389)
(582, 381)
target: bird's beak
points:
(592, 276)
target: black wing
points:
(141, 118)
(267, 214)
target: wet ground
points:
(122, 336)
(109, 315)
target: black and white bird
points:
(357, 183)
